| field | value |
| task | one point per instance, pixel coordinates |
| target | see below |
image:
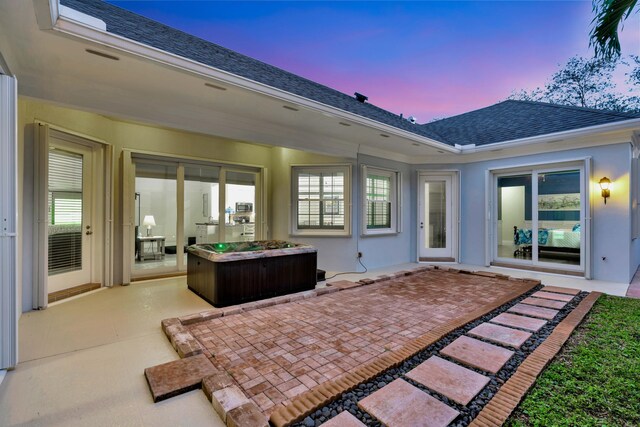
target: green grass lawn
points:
(595, 379)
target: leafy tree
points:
(634, 75)
(585, 83)
(609, 16)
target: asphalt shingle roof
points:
(504, 121)
(144, 30)
(510, 120)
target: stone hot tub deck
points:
(272, 351)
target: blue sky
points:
(422, 58)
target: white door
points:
(436, 230)
(70, 217)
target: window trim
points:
(293, 220)
(395, 199)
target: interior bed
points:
(565, 241)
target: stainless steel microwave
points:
(244, 207)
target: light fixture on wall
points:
(149, 222)
(605, 185)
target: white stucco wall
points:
(611, 223)
(611, 236)
(339, 254)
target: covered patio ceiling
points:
(58, 67)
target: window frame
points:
(296, 170)
(394, 198)
(635, 187)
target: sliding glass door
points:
(177, 204)
(155, 217)
(540, 218)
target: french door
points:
(437, 217)
(539, 218)
(70, 214)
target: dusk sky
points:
(421, 58)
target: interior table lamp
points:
(149, 222)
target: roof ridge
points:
(576, 107)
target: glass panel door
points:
(240, 206)
(559, 217)
(514, 228)
(201, 205)
(435, 222)
(69, 216)
(540, 218)
(156, 217)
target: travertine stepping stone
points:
(454, 381)
(478, 354)
(400, 404)
(500, 334)
(532, 310)
(177, 377)
(553, 296)
(542, 302)
(560, 290)
(522, 322)
(344, 419)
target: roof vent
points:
(412, 119)
(361, 98)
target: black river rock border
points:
(349, 400)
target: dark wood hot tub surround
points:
(225, 279)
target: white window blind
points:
(65, 211)
(321, 197)
(65, 188)
(380, 201)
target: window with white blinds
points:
(380, 201)
(65, 211)
(321, 195)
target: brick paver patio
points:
(278, 352)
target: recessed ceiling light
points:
(384, 135)
(102, 54)
(290, 108)
(211, 85)
(345, 124)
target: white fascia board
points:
(81, 18)
(4, 67)
(47, 12)
(90, 33)
(569, 134)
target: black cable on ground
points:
(350, 272)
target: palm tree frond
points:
(609, 15)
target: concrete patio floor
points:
(82, 361)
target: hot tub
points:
(231, 273)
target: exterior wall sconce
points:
(605, 185)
